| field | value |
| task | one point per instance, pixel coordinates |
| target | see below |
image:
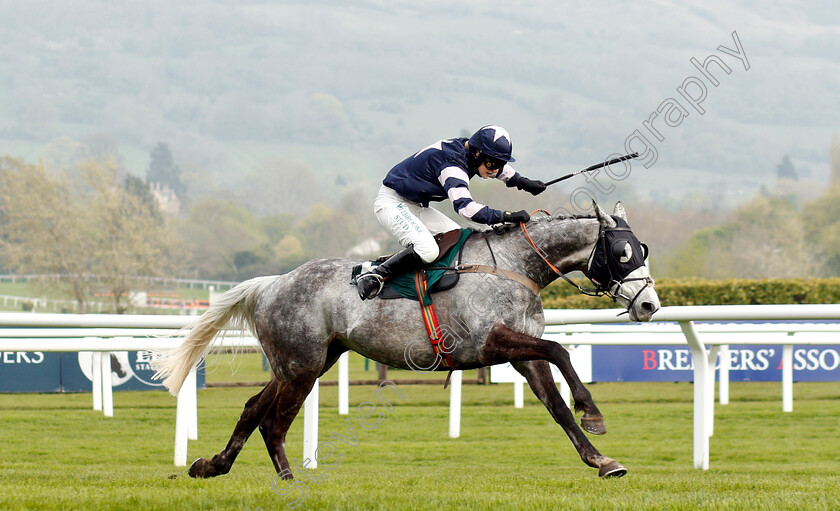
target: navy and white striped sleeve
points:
(456, 184)
(509, 176)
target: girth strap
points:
(430, 320)
(501, 272)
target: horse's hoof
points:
(202, 467)
(594, 425)
(612, 469)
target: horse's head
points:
(618, 267)
(604, 249)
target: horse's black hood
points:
(617, 253)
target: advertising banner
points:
(72, 372)
(746, 363)
(27, 371)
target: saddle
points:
(440, 273)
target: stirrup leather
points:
(380, 281)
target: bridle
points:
(612, 285)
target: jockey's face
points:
(488, 167)
(485, 173)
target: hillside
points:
(342, 90)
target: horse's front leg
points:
(539, 377)
(506, 345)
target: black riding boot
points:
(370, 284)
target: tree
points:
(43, 230)
(786, 169)
(130, 233)
(762, 239)
(103, 149)
(278, 186)
(835, 159)
(328, 109)
(218, 233)
(289, 252)
(162, 169)
(667, 230)
(326, 232)
(821, 220)
(135, 187)
(102, 236)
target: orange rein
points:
(534, 245)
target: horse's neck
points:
(566, 242)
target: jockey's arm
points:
(456, 184)
(513, 178)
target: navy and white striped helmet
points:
(493, 141)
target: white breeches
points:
(410, 223)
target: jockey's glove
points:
(534, 187)
(516, 216)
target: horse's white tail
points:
(235, 307)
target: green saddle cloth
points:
(404, 284)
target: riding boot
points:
(370, 284)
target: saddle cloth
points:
(404, 286)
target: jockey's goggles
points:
(493, 163)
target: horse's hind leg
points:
(506, 345)
(275, 424)
(539, 377)
(252, 415)
(277, 421)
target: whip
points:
(593, 167)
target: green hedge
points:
(561, 295)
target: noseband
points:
(607, 264)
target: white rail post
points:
(191, 389)
(698, 355)
(725, 364)
(186, 417)
(182, 427)
(518, 391)
(710, 390)
(565, 392)
(96, 379)
(107, 390)
(310, 428)
(344, 384)
(787, 377)
(455, 404)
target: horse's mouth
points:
(644, 311)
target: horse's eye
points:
(622, 251)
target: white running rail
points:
(111, 333)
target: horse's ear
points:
(603, 218)
(619, 211)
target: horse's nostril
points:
(648, 307)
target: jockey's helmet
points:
(493, 141)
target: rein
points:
(544, 257)
(601, 290)
(499, 272)
(495, 270)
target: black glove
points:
(515, 217)
(534, 187)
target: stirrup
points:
(374, 292)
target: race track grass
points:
(57, 453)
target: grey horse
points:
(307, 318)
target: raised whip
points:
(593, 167)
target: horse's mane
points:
(501, 230)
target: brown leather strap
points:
(510, 275)
(445, 241)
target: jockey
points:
(439, 171)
